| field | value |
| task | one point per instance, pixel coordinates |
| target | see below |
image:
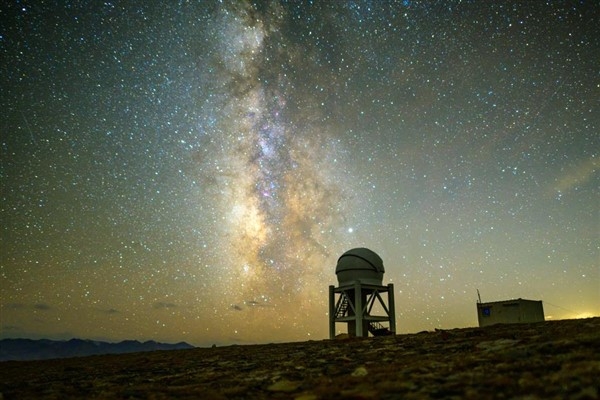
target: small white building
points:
(510, 312)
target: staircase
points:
(376, 329)
(343, 308)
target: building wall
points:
(510, 312)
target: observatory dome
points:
(359, 264)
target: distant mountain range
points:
(27, 349)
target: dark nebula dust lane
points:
(192, 171)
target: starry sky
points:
(192, 170)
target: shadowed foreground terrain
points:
(558, 359)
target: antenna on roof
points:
(479, 296)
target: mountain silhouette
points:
(43, 349)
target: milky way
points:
(269, 175)
(192, 171)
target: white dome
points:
(360, 264)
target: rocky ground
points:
(548, 360)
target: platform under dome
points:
(360, 264)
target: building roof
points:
(506, 301)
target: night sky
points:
(192, 170)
